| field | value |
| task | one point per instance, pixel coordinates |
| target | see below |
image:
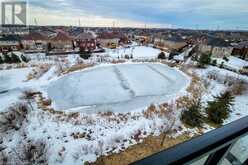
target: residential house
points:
(170, 43)
(35, 41)
(86, 41)
(241, 50)
(108, 40)
(10, 43)
(142, 39)
(62, 41)
(218, 47)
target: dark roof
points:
(10, 38)
(108, 35)
(214, 41)
(85, 36)
(75, 31)
(174, 38)
(35, 36)
(61, 36)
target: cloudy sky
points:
(201, 14)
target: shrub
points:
(1, 59)
(225, 58)
(47, 102)
(214, 62)
(219, 109)
(161, 55)
(85, 55)
(192, 115)
(29, 94)
(13, 118)
(126, 56)
(239, 87)
(33, 152)
(222, 65)
(24, 59)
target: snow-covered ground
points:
(215, 88)
(126, 89)
(233, 62)
(11, 83)
(138, 52)
(118, 88)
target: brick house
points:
(86, 41)
(241, 50)
(62, 41)
(34, 41)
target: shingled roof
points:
(62, 36)
(85, 36)
(35, 36)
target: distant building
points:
(108, 40)
(10, 43)
(62, 41)
(142, 39)
(170, 42)
(86, 41)
(219, 48)
(241, 50)
(34, 41)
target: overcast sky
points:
(201, 14)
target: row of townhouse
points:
(62, 41)
(216, 46)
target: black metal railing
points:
(215, 146)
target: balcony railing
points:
(218, 147)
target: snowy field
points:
(126, 89)
(118, 88)
(138, 52)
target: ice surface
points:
(119, 88)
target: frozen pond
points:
(118, 88)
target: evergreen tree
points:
(222, 65)
(161, 55)
(1, 59)
(171, 56)
(219, 109)
(225, 58)
(192, 115)
(15, 58)
(85, 55)
(24, 58)
(49, 47)
(204, 60)
(7, 59)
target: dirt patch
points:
(150, 146)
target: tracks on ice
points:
(160, 73)
(124, 82)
